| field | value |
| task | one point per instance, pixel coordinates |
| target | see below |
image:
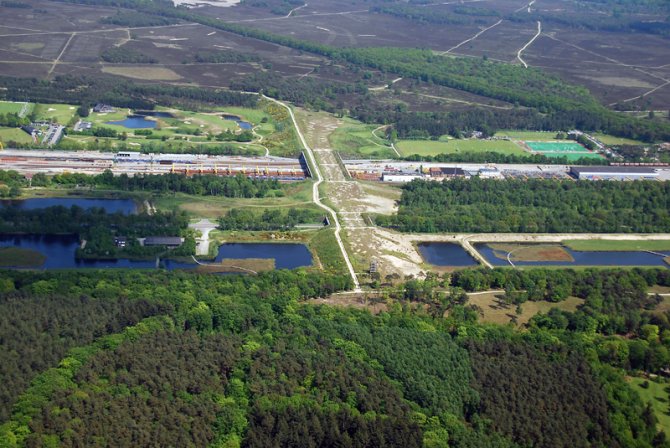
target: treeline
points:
(84, 222)
(11, 183)
(278, 7)
(270, 219)
(151, 146)
(238, 186)
(532, 206)
(74, 89)
(426, 15)
(12, 120)
(497, 157)
(123, 55)
(224, 56)
(137, 19)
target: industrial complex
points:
(30, 162)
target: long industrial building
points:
(29, 162)
(614, 173)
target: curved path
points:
(315, 193)
(529, 43)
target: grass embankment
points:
(616, 245)
(534, 252)
(244, 265)
(454, 146)
(357, 139)
(495, 310)
(19, 257)
(324, 245)
(657, 395)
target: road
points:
(204, 226)
(315, 193)
(529, 43)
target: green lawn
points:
(357, 138)
(14, 108)
(528, 135)
(658, 397)
(611, 140)
(62, 113)
(431, 148)
(14, 134)
(611, 245)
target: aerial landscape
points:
(335, 223)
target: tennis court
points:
(571, 150)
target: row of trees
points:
(270, 219)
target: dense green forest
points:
(240, 361)
(534, 205)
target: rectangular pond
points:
(286, 255)
(446, 254)
(564, 256)
(125, 206)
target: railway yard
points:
(30, 162)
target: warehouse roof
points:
(613, 169)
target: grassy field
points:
(13, 107)
(357, 138)
(15, 256)
(431, 148)
(498, 312)
(611, 140)
(15, 135)
(145, 73)
(324, 245)
(62, 113)
(611, 245)
(538, 136)
(297, 194)
(658, 397)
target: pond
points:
(446, 254)
(60, 250)
(241, 123)
(287, 256)
(135, 122)
(579, 258)
(125, 206)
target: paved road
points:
(204, 226)
(316, 197)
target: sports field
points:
(454, 146)
(539, 136)
(571, 150)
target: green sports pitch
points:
(571, 150)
